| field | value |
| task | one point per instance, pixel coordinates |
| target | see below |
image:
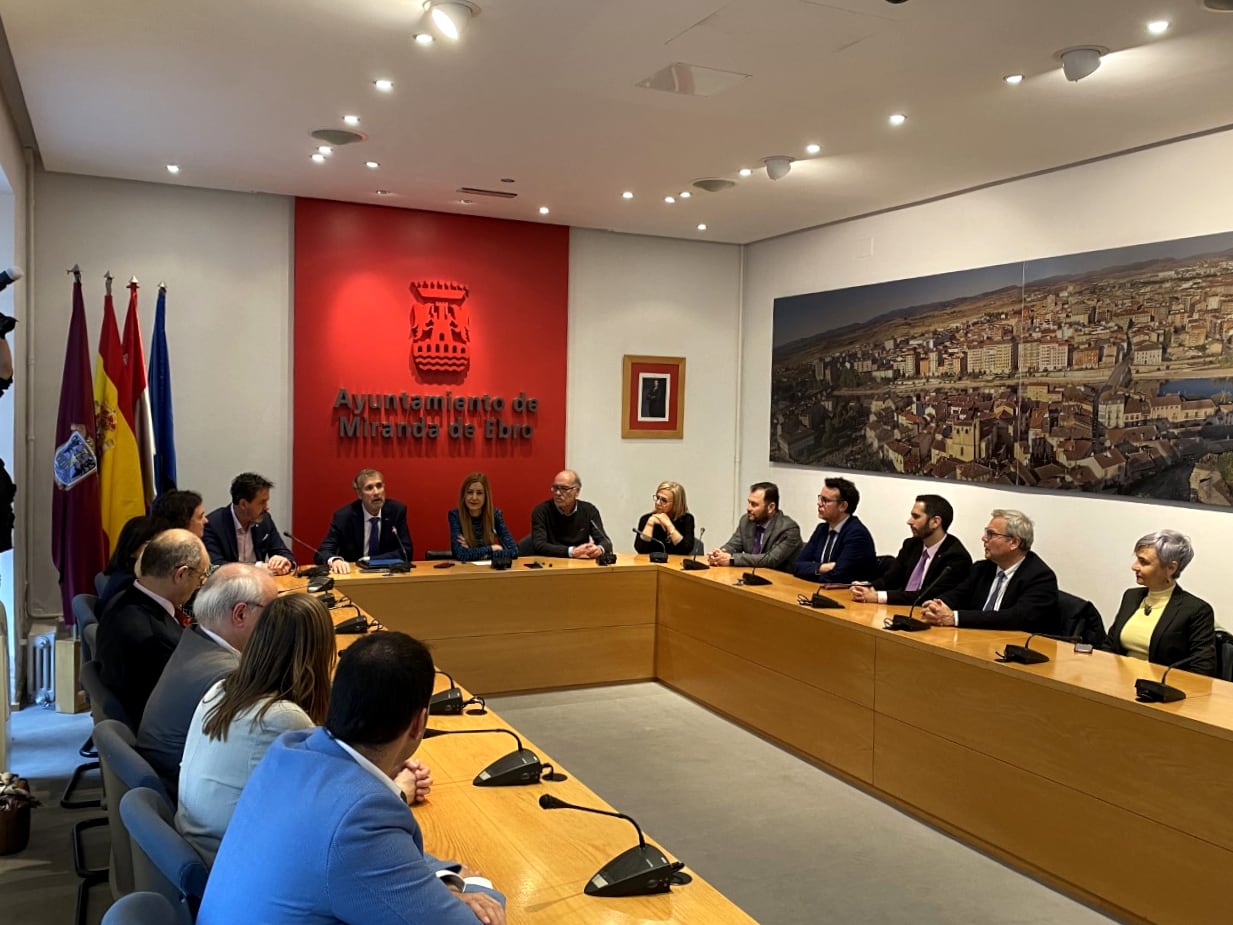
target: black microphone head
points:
(548, 801)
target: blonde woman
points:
(670, 523)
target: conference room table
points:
(1053, 768)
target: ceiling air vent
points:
(713, 184)
(493, 193)
(338, 136)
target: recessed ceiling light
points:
(325, 149)
(1013, 79)
(702, 226)
(685, 195)
(669, 199)
(812, 149)
(897, 119)
(319, 158)
(381, 192)
(746, 172)
(423, 38)
(465, 202)
(627, 195)
(451, 17)
(1158, 26)
(385, 86)
(351, 120)
(543, 210)
(173, 168)
(371, 165)
(508, 180)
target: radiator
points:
(42, 674)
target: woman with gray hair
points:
(1158, 621)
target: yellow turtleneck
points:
(1137, 633)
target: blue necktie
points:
(997, 587)
(829, 546)
(374, 536)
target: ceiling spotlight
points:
(451, 17)
(897, 119)
(382, 192)
(627, 195)
(777, 166)
(318, 158)
(385, 86)
(812, 149)
(543, 210)
(465, 202)
(351, 120)
(684, 195)
(372, 165)
(325, 149)
(1158, 26)
(173, 168)
(746, 172)
(1013, 79)
(1078, 63)
(670, 199)
(423, 38)
(702, 226)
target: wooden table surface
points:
(1053, 767)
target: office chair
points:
(163, 862)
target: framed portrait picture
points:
(653, 397)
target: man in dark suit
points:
(226, 610)
(244, 531)
(841, 549)
(372, 525)
(930, 560)
(140, 628)
(766, 537)
(1012, 589)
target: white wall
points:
(1176, 191)
(639, 295)
(226, 259)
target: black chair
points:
(525, 547)
(1081, 619)
(142, 909)
(163, 862)
(434, 555)
(884, 564)
(1224, 655)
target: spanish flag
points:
(121, 489)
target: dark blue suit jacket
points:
(1029, 602)
(347, 537)
(853, 555)
(219, 538)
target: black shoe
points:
(7, 323)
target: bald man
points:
(565, 527)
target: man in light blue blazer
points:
(322, 832)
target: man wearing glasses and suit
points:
(372, 525)
(1012, 589)
(841, 549)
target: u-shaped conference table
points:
(1053, 768)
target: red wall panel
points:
(354, 266)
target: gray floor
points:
(787, 842)
(782, 839)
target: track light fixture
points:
(778, 166)
(1078, 63)
(451, 17)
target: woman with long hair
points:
(477, 528)
(282, 683)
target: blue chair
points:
(100, 583)
(142, 909)
(163, 862)
(123, 770)
(85, 613)
(104, 704)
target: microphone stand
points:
(692, 564)
(1149, 691)
(657, 558)
(518, 768)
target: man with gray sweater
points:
(227, 609)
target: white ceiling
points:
(544, 91)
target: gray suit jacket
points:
(197, 662)
(780, 544)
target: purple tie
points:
(758, 533)
(918, 573)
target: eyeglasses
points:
(989, 534)
(563, 489)
(201, 574)
(659, 499)
(822, 500)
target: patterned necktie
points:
(182, 618)
(918, 573)
(374, 536)
(997, 589)
(759, 532)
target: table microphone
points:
(752, 578)
(308, 571)
(692, 564)
(640, 871)
(515, 769)
(1026, 655)
(446, 703)
(1149, 691)
(606, 558)
(657, 558)
(906, 621)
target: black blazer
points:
(684, 525)
(219, 538)
(1186, 627)
(1029, 602)
(347, 537)
(951, 554)
(136, 638)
